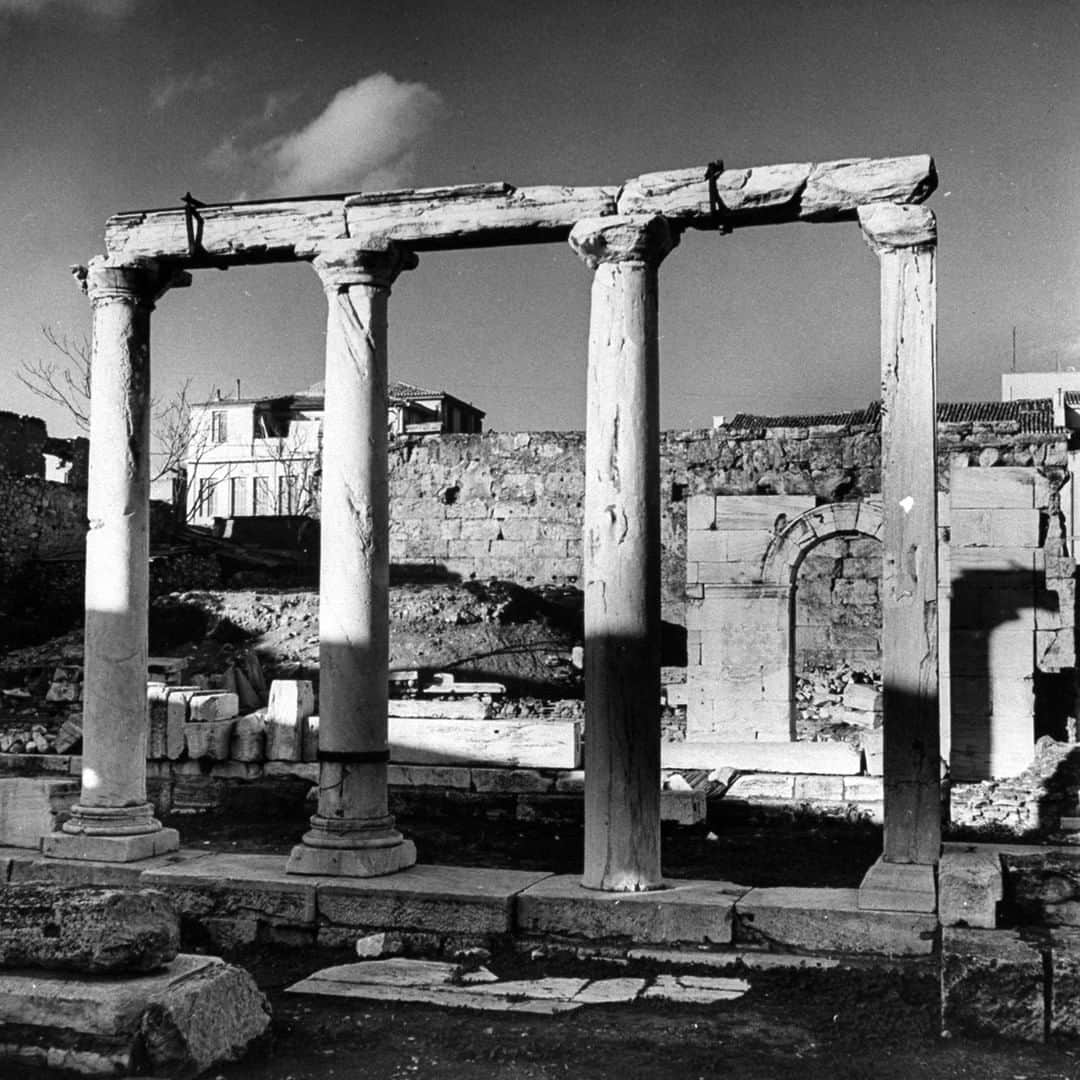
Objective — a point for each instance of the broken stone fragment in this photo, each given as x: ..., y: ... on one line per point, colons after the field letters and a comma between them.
x: 86, y: 928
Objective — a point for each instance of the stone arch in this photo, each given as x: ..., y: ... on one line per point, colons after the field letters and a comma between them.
x: 789, y: 545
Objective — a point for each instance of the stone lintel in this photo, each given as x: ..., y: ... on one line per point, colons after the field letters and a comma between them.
x: 623, y: 239
x: 344, y: 263
x: 887, y: 226
x: 118, y: 849
x: 139, y: 281
x: 890, y: 886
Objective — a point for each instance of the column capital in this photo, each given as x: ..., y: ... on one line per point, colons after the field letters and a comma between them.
x: 888, y: 226
x: 343, y: 263
x: 623, y: 239
x: 142, y: 281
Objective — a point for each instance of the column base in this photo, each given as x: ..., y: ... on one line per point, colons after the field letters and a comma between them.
x: 351, y: 862
x: 118, y: 849
x: 898, y: 887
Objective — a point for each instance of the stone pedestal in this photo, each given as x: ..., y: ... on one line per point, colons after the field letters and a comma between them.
x: 352, y: 833
x: 113, y: 820
x: 905, y: 240
x: 622, y: 554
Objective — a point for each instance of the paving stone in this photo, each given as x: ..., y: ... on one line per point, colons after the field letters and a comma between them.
x: 830, y: 920
x: 696, y: 989
x: 992, y: 984
x: 970, y: 886
x: 452, y: 997
x: 29, y: 867
x: 691, y: 911
x: 227, y: 884
x: 610, y: 991
x: 545, y: 989
x: 440, y: 899
x: 196, y: 1013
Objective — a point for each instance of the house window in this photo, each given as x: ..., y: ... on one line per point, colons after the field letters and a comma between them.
x: 260, y: 496
x: 288, y: 494
x: 204, y: 504
x: 238, y: 496
x: 219, y: 427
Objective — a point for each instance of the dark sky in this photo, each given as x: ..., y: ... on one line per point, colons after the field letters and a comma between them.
x: 122, y: 104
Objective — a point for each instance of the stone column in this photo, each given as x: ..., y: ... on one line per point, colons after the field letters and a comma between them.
x: 905, y: 241
x: 352, y: 832
x: 113, y: 820
x: 622, y: 554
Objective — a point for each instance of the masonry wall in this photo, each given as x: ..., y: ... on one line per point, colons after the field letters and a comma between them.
x: 510, y: 504
x: 38, y: 518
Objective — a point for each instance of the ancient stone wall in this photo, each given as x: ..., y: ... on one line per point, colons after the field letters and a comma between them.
x: 38, y: 519
x: 510, y: 504
x: 22, y: 445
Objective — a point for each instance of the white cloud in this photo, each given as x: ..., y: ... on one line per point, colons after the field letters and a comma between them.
x: 365, y: 138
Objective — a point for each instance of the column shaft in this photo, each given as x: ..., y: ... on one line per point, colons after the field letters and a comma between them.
x: 905, y: 240
x: 113, y: 819
x: 622, y: 556
x: 352, y: 832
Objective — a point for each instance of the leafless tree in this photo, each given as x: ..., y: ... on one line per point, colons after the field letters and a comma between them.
x: 65, y: 381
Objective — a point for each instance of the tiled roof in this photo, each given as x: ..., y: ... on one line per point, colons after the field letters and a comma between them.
x: 1033, y: 415
x: 397, y: 391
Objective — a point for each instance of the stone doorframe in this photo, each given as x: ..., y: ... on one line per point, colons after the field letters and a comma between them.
x: 790, y: 545
x: 744, y: 552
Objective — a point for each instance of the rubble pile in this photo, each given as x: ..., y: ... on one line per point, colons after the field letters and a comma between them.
x: 837, y: 704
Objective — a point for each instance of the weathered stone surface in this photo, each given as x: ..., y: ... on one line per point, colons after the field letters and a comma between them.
x: 970, y: 886
x: 696, y: 989
x: 684, y: 911
x: 86, y: 928
x: 554, y: 744
x: 824, y: 920
x: 991, y: 984
x: 30, y: 808
x: 292, y: 701
x: 196, y: 1013
x: 1044, y: 885
x: 444, y: 899
x: 249, y: 737
x: 1065, y: 982
x: 800, y: 757
x: 898, y: 887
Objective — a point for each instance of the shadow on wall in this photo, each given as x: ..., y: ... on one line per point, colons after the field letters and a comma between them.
x: 1001, y: 702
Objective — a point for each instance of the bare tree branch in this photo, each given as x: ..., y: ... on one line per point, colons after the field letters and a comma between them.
x: 65, y: 383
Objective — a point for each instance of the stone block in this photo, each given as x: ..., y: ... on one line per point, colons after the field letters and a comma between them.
x: 178, y: 700
x: 823, y: 789
x: 249, y: 737
x: 700, y: 512
x: 510, y: 743
x: 863, y: 788
x: 770, y: 513
x: 291, y: 702
x: 708, y: 546
x: 209, y: 739
x: 762, y: 786
x: 698, y: 912
x: 120, y: 849
x: 85, y: 928
x: 826, y: 920
x: 970, y: 887
x: 437, y: 899
x: 436, y: 776
x: 830, y: 758
x: 863, y: 697
x: 30, y: 808
x: 211, y: 706
x: 992, y: 984
x: 998, y: 488
x: 994, y: 561
x: 908, y: 887
x: 570, y: 782
x: 510, y: 781
x: 197, y: 1013
x: 683, y: 807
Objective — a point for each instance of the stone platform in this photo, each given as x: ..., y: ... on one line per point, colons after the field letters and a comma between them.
x: 230, y: 900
